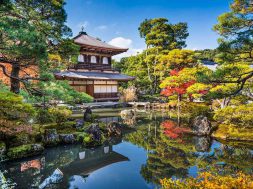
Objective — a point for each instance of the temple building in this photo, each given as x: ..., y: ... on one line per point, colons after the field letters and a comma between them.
x: 93, y: 72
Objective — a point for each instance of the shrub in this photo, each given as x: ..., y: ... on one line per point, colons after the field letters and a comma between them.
x: 61, y: 90
x: 129, y: 94
x: 193, y: 109
x: 44, y: 116
x: 10, y: 129
x: 60, y: 114
x: 241, y: 115
x: 12, y: 107
x: 210, y: 181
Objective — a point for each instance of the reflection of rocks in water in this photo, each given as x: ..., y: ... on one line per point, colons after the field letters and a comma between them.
x: 29, y: 171
x: 226, y: 149
x: 130, y: 122
x: 202, y: 144
x: 128, y: 117
x: 70, y: 160
x: 114, y: 128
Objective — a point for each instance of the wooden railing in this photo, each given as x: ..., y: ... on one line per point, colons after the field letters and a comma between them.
x: 91, y: 66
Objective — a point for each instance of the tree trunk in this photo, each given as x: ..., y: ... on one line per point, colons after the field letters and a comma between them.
x: 179, y: 98
x: 15, y: 83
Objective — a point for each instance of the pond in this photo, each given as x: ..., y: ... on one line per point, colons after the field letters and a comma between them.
x: 154, y: 147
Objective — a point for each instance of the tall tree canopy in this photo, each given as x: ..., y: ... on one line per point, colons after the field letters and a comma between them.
x: 236, y: 42
x: 31, y: 30
x: 158, y: 32
x: 160, y: 37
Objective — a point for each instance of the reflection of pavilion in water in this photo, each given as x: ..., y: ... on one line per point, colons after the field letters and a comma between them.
x: 89, y: 161
x: 70, y: 160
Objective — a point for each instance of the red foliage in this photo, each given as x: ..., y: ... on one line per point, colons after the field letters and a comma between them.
x: 203, y: 92
x: 168, y: 91
x: 174, y: 72
x: 180, y: 90
x: 171, y: 130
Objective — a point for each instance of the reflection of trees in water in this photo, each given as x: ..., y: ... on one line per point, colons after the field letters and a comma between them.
x: 173, y: 153
x: 70, y: 160
x: 164, y: 160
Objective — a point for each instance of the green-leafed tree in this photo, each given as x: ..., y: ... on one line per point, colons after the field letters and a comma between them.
x: 158, y: 32
x: 160, y: 37
x: 33, y: 32
x: 236, y: 44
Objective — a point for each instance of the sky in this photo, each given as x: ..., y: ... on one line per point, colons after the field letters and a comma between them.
x: 116, y: 21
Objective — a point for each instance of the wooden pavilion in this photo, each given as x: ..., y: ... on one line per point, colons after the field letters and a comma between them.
x: 93, y: 72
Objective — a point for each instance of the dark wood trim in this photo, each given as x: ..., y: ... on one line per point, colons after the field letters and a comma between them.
x: 105, y: 95
x: 92, y: 66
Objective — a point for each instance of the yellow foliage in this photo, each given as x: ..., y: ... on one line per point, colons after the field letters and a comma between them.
x: 178, y: 58
x: 54, y: 57
x: 209, y: 181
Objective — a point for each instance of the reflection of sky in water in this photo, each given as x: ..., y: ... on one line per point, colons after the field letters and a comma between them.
x: 115, y: 166
x: 215, y: 144
x: 193, y: 171
x: 121, y: 175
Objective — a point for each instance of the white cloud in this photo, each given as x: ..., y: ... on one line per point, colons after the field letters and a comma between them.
x: 102, y: 27
x: 124, y: 43
x: 83, y: 24
x: 121, y: 42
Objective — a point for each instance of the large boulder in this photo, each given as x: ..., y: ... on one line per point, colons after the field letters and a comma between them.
x: 67, y: 138
x: 87, y: 116
x: 126, y: 114
x: 201, y: 126
x: 25, y: 151
x: 51, y: 137
x: 114, y: 129
x: 79, y: 123
x: 95, y: 131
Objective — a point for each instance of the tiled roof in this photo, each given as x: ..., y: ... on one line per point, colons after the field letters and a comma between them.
x: 84, y: 39
x: 93, y: 76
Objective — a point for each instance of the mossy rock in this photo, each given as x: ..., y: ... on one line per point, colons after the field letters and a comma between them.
x: 51, y: 137
x: 67, y: 124
x: 89, y: 141
x: 20, y: 139
x: 25, y: 151
x: 80, y: 136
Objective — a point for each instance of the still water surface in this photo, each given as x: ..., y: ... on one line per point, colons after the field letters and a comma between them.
x: 154, y: 148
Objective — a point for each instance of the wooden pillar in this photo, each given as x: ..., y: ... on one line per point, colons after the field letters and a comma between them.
x: 110, y: 60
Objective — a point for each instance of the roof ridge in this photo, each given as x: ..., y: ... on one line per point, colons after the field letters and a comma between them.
x: 95, y: 42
